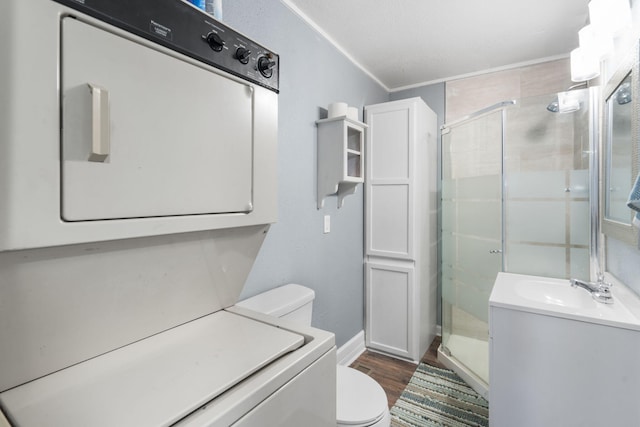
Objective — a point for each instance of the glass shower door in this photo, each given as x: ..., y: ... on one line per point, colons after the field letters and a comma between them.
x: 471, y: 236
x: 547, y: 154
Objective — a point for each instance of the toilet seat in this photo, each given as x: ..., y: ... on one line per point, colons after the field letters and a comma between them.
x: 361, y: 401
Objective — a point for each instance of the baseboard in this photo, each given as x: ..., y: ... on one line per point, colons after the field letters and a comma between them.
x: 350, y: 351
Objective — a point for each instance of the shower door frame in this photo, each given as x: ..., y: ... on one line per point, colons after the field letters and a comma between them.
x: 444, y: 354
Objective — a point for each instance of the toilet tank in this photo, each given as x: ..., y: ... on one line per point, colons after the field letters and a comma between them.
x: 292, y: 302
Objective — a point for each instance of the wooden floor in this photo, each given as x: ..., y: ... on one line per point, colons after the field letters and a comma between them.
x: 393, y: 374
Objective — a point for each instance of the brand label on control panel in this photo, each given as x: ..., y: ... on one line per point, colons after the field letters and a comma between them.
x: 161, y: 30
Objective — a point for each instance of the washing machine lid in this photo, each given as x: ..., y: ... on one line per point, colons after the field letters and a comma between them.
x: 361, y: 401
x: 156, y: 381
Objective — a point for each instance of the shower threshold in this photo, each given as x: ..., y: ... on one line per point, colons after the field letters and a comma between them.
x: 470, y: 377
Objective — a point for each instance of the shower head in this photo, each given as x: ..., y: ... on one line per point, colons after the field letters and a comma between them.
x: 553, y: 106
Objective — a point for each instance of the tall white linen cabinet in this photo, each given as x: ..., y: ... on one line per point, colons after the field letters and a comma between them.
x: 400, y: 228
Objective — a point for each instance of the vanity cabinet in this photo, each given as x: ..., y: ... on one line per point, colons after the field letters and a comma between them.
x: 340, y: 157
x: 559, y: 358
x: 400, y: 228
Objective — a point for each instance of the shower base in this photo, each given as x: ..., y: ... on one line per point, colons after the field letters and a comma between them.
x: 476, y: 353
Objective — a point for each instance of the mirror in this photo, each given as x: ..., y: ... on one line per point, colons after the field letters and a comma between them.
x: 620, y: 150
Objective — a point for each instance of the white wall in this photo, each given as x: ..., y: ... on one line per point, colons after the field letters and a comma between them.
x: 313, y: 74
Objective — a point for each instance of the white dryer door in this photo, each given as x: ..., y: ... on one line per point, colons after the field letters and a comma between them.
x: 137, y: 144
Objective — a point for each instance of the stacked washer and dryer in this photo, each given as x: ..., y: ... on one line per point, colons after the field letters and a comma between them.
x: 137, y: 183
x: 138, y: 136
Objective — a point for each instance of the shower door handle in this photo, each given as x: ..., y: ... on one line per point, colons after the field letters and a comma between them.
x: 495, y: 251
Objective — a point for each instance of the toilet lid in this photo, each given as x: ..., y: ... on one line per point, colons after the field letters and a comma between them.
x: 360, y: 399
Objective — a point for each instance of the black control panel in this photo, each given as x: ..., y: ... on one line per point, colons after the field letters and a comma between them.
x: 179, y: 26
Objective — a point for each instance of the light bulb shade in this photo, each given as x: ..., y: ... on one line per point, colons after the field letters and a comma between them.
x: 611, y: 16
x: 595, y: 42
x: 568, y: 102
x: 583, y: 65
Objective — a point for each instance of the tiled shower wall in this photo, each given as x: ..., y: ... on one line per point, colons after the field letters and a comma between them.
x: 465, y: 96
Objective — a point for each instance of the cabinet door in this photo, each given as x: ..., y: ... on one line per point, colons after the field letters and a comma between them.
x: 390, y: 309
x: 389, y: 214
x: 389, y: 194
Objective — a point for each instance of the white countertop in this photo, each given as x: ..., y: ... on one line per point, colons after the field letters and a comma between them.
x: 556, y: 297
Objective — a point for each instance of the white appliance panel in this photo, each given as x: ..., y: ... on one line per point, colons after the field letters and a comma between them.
x: 174, y: 149
x: 61, y: 306
x: 309, y: 400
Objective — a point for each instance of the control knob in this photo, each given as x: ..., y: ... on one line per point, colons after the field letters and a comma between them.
x: 215, y: 41
x: 265, y: 66
x: 242, y: 55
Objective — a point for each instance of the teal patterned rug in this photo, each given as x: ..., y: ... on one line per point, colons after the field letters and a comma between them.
x: 439, y: 397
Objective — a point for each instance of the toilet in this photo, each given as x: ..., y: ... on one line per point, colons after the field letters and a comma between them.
x: 361, y: 401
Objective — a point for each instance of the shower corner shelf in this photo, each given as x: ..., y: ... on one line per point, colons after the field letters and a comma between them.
x: 340, y: 157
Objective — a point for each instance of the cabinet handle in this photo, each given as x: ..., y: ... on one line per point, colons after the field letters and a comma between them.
x: 100, y: 124
x: 495, y: 251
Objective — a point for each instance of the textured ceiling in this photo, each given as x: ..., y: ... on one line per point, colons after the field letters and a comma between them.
x: 409, y: 42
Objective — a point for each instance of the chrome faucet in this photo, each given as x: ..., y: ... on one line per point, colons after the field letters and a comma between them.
x: 599, y: 290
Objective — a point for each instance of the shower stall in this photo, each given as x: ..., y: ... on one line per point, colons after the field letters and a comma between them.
x: 518, y: 181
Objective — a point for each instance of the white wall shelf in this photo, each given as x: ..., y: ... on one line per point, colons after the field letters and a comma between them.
x: 340, y: 157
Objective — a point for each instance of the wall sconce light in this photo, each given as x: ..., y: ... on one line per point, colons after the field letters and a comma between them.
x: 584, y: 65
x: 596, y: 42
x: 612, y: 17
x: 608, y: 19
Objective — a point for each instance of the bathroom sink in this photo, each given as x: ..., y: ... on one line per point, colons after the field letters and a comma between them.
x: 556, y: 297
x: 558, y: 293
